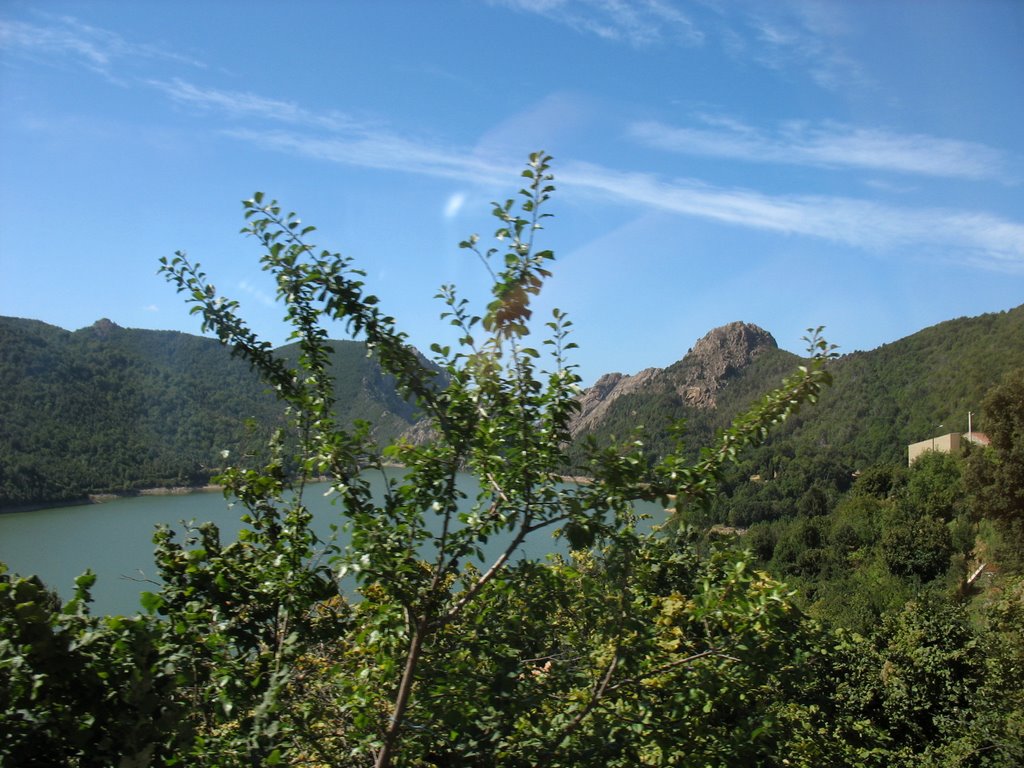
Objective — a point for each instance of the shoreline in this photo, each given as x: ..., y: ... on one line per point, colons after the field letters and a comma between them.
x: 177, y: 490
x: 103, y: 498
x: 174, y: 490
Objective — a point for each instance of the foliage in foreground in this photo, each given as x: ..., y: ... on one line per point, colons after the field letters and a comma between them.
x: 639, y: 649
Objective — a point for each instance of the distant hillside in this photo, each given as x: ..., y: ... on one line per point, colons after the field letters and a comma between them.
x: 881, y: 400
x: 902, y: 392
x: 109, y: 409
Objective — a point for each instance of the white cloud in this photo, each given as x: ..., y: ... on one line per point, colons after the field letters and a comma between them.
x: 791, y: 35
x: 257, y: 293
x: 58, y: 39
x: 339, y: 137
x: 244, y: 104
x: 797, y: 36
x: 25, y: 38
x: 383, y: 151
x: 828, y: 145
x: 636, y: 22
x: 454, y: 205
x: 981, y: 239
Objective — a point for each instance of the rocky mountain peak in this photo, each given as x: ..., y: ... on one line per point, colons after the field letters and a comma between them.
x: 706, y: 368
x: 735, y: 343
x: 716, y: 357
x: 102, y: 328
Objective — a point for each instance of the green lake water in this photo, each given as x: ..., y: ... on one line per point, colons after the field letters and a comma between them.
x: 114, y: 539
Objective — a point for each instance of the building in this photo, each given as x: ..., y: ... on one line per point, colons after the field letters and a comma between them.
x: 949, y: 443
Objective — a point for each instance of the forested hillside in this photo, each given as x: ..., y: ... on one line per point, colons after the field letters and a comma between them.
x: 881, y: 400
x: 109, y: 409
x: 828, y: 503
x: 913, y: 389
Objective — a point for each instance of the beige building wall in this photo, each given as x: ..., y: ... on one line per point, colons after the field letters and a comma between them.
x: 945, y: 443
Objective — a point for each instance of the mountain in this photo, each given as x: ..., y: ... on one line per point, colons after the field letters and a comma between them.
x: 880, y: 401
x: 915, y: 388
x: 693, y: 382
x: 110, y: 409
x: 724, y: 371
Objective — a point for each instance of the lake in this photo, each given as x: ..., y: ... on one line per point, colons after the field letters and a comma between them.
x: 114, y: 539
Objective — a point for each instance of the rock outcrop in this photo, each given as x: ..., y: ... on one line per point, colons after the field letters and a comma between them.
x: 716, y: 358
x: 596, y: 400
x: 696, y: 379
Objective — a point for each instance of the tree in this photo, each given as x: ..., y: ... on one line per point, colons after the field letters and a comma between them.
x: 995, y: 475
x: 81, y: 690
x: 916, y: 546
x: 446, y: 657
x: 943, y: 693
x: 935, y: 486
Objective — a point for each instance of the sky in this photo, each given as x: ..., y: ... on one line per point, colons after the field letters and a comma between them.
x: 856, y: 165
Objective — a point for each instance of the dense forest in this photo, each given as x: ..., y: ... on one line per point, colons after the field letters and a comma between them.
x: 810, y: 600
x: 111, y: 410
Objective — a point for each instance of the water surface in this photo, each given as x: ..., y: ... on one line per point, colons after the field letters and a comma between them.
x: 114, y: 539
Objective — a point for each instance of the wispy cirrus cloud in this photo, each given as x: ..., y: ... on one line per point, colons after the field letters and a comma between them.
x: 257, y: 293
x: 332, y: 136
x: 827, y: 145
x: 247, y: 104
x: 65, y: 39
x: 975, y: 238
x: 636, y: 22
x: 797, y: 35
x: 792, y: 35
x: 380, y: 150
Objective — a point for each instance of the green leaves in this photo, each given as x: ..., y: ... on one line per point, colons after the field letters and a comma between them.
x: 450, y: 655
x: 509, y: 313
x: 79, y: 688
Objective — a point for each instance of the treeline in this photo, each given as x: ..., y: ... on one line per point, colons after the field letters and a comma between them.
x: 108, y: 409
x: 913, y: 389
x: 859, y: 545
x: 924, y: 565
x: 112, y: 410
x: 915, y: 573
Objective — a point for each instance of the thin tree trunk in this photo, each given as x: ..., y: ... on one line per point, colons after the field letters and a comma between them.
x: 402, y: 699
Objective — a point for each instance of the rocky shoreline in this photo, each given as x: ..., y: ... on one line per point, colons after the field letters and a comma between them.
x: 176, y: 490
x: 102, y: 498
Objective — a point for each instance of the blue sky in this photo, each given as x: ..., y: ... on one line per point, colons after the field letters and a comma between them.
x: 791, y: 164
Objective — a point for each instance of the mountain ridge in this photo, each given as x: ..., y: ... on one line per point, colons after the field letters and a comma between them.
x: 695, y: 379
x: 107, y: 408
